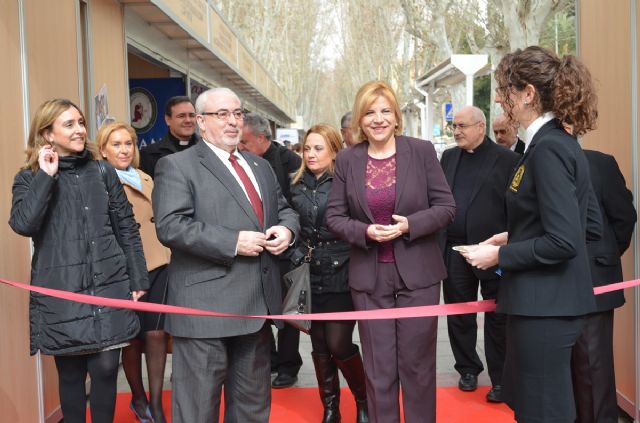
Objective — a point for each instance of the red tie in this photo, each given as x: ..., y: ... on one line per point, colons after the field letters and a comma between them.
x: 254, y: 198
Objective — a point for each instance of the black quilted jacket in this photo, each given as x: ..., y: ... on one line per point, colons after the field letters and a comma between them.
x: 330, y: 257
x: 75, y: 250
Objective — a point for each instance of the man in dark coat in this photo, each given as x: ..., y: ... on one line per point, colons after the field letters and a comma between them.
x: 180, y: 116
x: 594, y: 382
x: 477, y: 171
x: 507, y: 134
x: 256, y: 139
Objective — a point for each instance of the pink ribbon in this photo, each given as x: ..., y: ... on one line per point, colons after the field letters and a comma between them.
x: 388, y: 313
x: 615, y: 286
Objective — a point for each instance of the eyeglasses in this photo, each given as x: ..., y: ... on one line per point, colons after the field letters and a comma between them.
x: 462, y: 126
x: 225, y: 114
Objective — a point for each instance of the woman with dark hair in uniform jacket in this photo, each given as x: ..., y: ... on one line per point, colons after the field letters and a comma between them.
x: 546, y: 285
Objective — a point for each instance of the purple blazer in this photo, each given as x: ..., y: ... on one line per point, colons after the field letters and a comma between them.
x: 422, y: 195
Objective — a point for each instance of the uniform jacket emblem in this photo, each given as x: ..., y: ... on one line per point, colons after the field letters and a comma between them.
x: 515, y: 182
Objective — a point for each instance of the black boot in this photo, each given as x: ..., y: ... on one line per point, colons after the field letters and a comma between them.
x: 353, y: 371
x: 328, y: 385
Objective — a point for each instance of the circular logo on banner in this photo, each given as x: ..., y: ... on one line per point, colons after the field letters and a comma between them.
x: 144, y: 109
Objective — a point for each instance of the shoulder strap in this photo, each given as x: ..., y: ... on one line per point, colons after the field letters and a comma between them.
x: 103, y: 172
x: 113, y: 217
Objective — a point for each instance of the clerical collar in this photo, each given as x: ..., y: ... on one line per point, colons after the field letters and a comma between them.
x: 478, y: 148
x: 181, y: 143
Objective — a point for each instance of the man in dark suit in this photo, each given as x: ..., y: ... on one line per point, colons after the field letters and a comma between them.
x: 506, y: 134
x: 225, y: 219
x: 477, y: 171
x: 594, y: 382
x: 180, y: 117
x: 256, y: 139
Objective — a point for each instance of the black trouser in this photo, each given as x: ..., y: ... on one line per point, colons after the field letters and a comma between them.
x: 462, y: 285
x: 594, y: 379
x: 286, y: 358
x: 537, y: 368
x: 102, y: 367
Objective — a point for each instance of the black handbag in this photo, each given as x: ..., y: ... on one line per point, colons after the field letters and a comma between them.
x: 113, y: 214
x: 298, y: 298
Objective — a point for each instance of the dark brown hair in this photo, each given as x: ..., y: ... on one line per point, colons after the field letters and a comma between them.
x: 177, y: 99
x: 563, y: 85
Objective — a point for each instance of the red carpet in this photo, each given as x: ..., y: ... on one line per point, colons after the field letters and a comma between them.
x: 302, y: 405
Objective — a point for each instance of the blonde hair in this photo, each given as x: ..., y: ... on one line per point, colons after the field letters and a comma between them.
x: 42, y: 122
x: 105, y: 132
x: 366, y: 96
x: 331, y: 137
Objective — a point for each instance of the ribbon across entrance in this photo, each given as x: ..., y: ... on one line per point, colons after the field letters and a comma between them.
x: 387, y: 313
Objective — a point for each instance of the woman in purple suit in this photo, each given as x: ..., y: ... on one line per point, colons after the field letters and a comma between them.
x: 389, y: 199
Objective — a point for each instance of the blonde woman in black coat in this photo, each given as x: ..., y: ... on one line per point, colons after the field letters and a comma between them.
x: 328, y: 256
x: 61, y: 201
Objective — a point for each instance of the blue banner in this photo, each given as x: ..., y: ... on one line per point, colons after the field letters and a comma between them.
x: 148, y: 97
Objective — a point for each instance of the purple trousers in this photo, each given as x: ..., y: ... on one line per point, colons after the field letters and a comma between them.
x: 399, y: 352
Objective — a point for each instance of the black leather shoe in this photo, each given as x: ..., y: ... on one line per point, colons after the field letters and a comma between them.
x: 495, y: 394
x: 284, y: 380
x: 468, y: 382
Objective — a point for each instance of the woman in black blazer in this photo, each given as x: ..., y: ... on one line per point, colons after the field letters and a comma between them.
x: 546, y: 284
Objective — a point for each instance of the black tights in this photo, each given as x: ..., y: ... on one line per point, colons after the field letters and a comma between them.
x: 333, y: 337
x: 155, y: 349
x: 72, y: 374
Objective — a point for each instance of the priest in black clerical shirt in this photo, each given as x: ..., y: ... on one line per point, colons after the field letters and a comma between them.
x: 180, y: 116
x: 477, y: 171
